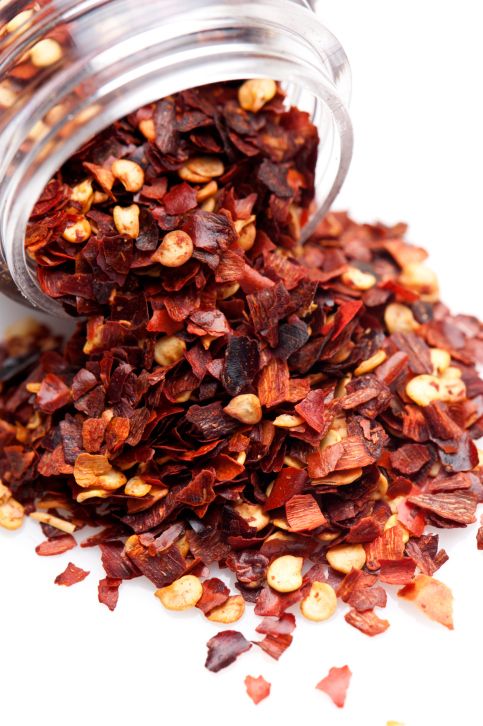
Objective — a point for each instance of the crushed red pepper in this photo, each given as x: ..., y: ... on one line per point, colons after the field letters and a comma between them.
x: 235, y: 397
x: 71, y: 575
x: 335, y: 684
x: 257, y: 688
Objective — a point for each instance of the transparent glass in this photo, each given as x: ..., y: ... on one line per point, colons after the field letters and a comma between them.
x: 105, y: 58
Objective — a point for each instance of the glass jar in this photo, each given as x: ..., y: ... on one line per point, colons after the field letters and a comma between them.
x: 69, y: 68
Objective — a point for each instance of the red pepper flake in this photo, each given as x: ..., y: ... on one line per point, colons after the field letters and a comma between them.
x: 424, y: 551
x: 56, y: 545
x: 367, y: 622
x: 397, y: 572
x: 410, y: 458
x: 278, y: 634
x: 273, y: 383
x: 224, y: 648
x: 346, y: 313
x: 257, y: 688
x: 108, y: 591
x: 458, y: 506
x: 71, y: 575
x: 433, y: 597
x: 350, y: 453
x: 313, y: 410
x: 335, y: 684
x: 411, y: 518
x: 215, y: 593
x: 288, y: 483
x: 389, y: 546
x: 53, y: 394
x: 303, y: 513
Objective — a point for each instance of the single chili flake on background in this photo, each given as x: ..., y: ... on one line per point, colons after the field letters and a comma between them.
x: 224, y: 648
x: 433, y: 597
x: 71, y: 575
x: 367, y: 622
x: 56, y: 545
x: 257, y: 688
x: 335, y: 684
x: 108, y: 591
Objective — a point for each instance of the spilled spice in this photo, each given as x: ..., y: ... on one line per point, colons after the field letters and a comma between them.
x: 294, y: 413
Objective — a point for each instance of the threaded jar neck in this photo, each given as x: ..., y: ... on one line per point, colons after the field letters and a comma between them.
x: 118, y: 55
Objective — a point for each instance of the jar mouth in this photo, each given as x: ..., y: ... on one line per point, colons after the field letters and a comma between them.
x: 105, y: 78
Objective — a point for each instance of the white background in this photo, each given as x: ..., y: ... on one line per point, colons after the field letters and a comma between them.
x: 417, y: 111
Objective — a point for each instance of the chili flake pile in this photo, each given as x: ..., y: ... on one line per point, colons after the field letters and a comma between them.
x: 295, y: 413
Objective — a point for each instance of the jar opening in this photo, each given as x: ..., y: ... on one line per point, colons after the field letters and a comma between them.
x: 108, y: 73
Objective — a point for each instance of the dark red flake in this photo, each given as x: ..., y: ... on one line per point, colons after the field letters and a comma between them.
x: 458, y: 506
x: 108, y: 591
x: 180, y: 199
x: 215, y: 593
x: 410, y: 458
x: 241, y: 364
x: 424, y: 551
x: 53, y: 394
x: 278, y: 634
x: 224, y: 648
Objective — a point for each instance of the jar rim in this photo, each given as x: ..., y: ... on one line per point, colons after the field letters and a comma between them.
x: 252, y: 42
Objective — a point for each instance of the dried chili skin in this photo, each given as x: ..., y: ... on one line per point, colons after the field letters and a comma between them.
x: 259, y: 399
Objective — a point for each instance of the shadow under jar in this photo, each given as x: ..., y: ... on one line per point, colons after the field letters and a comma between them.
x: 68, y: 69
